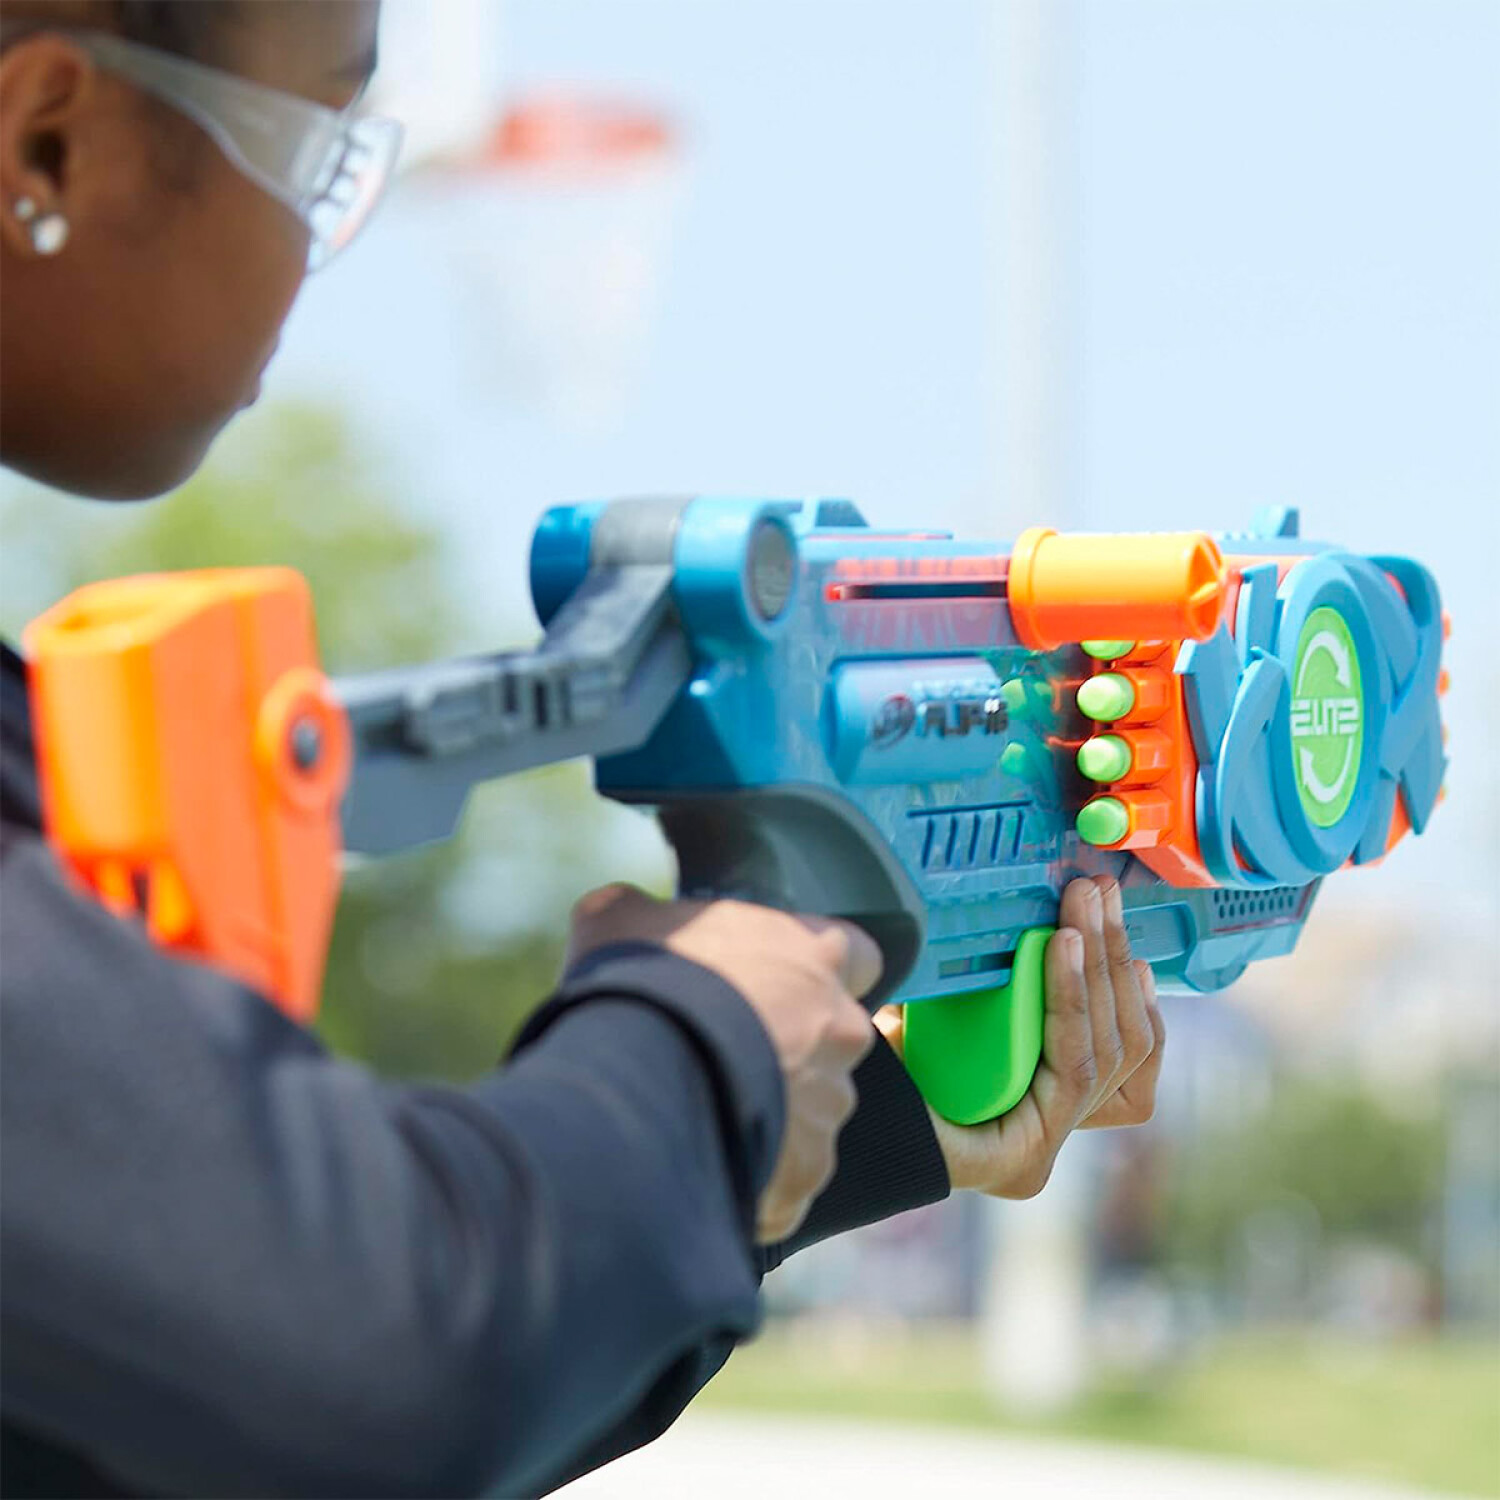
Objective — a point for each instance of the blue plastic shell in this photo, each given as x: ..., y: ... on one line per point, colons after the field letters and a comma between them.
x: 891, y: 735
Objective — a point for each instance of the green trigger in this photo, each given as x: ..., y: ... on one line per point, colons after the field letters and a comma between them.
x: 973, y: 1056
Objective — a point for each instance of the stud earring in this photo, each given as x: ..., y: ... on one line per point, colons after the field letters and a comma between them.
x: 49, y: 234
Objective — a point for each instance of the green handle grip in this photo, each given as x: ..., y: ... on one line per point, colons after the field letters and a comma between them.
x: 973, y: 1056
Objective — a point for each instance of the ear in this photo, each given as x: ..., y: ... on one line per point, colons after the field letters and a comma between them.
x: 45, y: 83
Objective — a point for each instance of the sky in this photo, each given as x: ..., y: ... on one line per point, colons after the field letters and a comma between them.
x: 1256, y: 260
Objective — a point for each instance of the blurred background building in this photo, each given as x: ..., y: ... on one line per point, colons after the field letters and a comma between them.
x: 1104, y: 264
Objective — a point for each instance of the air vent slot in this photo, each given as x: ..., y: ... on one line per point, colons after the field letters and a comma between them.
x: 1250, y: 907
x: 971, y: 838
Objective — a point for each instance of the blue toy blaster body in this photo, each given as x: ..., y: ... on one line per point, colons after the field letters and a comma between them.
x: 925, y: 736
x: 932, y: 737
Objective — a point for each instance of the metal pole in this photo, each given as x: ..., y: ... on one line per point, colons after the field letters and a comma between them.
x: 1032, y: 1297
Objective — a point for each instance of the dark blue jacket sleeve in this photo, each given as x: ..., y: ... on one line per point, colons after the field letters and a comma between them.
x: 889, y: 1162
x: 234, y: 1264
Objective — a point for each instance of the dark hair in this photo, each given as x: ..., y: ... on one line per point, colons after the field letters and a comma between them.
x: 190, y: 28
x: 200, y: 30
x: 195, y: 29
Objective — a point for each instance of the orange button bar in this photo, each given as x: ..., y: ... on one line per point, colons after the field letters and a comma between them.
x: 1150, y: 818
x: 1151, y: 753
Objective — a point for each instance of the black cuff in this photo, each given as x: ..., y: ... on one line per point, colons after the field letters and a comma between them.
x: 716, y: 1017
x: 889, y: 1158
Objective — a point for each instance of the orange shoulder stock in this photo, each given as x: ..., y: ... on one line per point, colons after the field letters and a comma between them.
x: 192, y: 761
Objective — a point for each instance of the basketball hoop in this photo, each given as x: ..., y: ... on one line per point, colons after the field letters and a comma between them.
x: 568, y: 205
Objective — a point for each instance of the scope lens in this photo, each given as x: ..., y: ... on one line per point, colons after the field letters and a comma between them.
x: 771, y: 569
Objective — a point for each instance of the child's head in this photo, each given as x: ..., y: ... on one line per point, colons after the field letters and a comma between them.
x: 146, y: 264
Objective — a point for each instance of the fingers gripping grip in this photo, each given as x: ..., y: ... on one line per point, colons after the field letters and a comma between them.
x: 972, y: 1056
x: 798, y: 850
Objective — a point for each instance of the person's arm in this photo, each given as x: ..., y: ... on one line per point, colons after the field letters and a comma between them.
x: 1102, y: 1053
x: 890, y: 1159
x: 232, y: 1263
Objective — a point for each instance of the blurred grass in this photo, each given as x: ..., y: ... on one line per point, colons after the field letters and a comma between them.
x: 1422, y: 1413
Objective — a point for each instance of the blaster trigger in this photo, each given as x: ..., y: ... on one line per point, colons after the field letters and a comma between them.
x: 973, y: 1056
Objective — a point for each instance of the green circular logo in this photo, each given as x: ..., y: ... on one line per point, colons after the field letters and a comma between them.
x: 1328, y: 717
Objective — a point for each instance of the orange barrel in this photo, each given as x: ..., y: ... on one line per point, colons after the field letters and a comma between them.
x: 1164, y: 586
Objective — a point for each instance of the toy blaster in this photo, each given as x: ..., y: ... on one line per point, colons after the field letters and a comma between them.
x: 925, y: 736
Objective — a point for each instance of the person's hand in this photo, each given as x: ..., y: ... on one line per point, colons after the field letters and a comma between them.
x: 1102, y: 1047
x: 801, y: 976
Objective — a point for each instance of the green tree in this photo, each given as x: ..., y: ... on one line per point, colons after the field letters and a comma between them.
x: 1330, y: 1151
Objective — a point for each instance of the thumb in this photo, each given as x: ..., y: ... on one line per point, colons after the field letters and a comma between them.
x: 862, y: 966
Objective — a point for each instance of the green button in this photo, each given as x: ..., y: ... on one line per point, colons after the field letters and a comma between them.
x: 1106, y: 757
x: 1107, y: 696
x: 1103, y: 821
x: 1108, y: 650
x: 1015, y: 759
x: 1013, y: 694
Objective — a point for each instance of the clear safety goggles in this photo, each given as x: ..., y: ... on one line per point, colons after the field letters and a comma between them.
x: 328, y: 166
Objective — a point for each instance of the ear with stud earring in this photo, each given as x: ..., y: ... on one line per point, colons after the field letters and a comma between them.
x: 49, y: 232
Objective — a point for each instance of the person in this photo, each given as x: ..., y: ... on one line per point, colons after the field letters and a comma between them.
x: 231, y: 1262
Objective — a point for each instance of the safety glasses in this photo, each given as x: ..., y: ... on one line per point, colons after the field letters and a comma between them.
x: 329, y: 167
